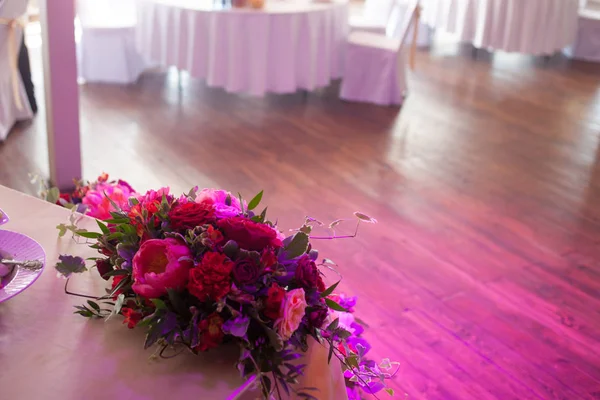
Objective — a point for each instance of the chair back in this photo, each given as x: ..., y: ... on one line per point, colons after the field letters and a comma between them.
x: 403, y: 17
x: 106, y: 13
x: 378, y: 11
x: 12, y: 8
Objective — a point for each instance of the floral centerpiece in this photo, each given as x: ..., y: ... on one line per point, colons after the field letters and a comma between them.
x: 204, y: 269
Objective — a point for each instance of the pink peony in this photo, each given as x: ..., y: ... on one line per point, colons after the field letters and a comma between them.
x: 97, y: 199
x: 161, y: 264
x: 219, y: 198
x: 153, y: 196
x: 294, y: 308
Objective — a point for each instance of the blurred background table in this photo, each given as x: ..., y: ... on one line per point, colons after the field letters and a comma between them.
x: 286, y: 46
x: 536, y: 27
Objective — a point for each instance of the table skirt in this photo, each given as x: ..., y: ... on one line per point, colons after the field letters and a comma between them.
x: 246, y: 51
x: 537, y: 27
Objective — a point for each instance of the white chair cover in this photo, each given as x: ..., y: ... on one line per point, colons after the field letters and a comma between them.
x: 106, y: 50
x: 587, y: 44
x: 376, y: 18
x: 375, y: 64
x: 9, y: 111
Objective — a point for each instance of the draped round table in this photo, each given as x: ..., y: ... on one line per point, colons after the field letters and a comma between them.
x: 282, y: 48
x: 537, y: 27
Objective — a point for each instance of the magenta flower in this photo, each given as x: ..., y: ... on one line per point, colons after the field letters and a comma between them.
x: 99, y: 199
x: 159, y: 265
x: 219, y: 199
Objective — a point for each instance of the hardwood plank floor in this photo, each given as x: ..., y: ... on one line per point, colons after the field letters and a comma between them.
x: 483, y: 275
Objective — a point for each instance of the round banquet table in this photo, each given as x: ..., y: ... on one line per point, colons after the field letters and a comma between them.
x: 286, y: 46
x: 537, y: 27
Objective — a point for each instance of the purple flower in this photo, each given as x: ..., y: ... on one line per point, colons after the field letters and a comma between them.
x: 360, y: 344
x: 237, y: 326
x: 374, y: 387
x: 358, y: 328
x: 246, y: 271
x: 307, y: 273
x: 353, y: 393
x: 68, y: 265
x: 126, y: 253
x: 347, y: 302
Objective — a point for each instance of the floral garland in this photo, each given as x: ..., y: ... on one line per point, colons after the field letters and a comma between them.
x: 204, y: 269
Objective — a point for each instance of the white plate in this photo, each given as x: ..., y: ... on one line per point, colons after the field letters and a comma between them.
x: 19, y: 247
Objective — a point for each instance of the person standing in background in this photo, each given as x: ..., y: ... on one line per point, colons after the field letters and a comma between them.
x: 24, y: 67
x: 25, y: 71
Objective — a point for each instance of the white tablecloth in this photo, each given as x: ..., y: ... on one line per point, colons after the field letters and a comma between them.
x: 284, y: 47
x: 537, y: 27
x: 47, y: 352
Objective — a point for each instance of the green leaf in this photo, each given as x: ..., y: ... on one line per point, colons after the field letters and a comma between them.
x: 352, y: 361
x: 263, y: 215
x: 146, y: 321
x: 118, y: 305
x: 335, y: 306
x: 88, y: 235
x: 103, y: 227
x: 267, y: 385
x: 297, y: 246
x: 255, y: 201
x: 177, y: 302
x: 330, y: 352
x: 116, y: 272
x: 332, y: 326
x: 159, y: 304
x: 53, y: 195
x: 276, y: 340
x: 389, y: 391
x: 62, y: 230
x: 365, y: 218
x: 330, y: 289
x: 117, y: 221
x: 94, y: 305
x: 241, y: 202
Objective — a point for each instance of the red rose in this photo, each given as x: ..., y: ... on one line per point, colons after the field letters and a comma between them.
x: 103, y: 266
x: 248, y: 234
x: 64, y: 196
x: 307, y: 273
x: 132, y: 317
x: 190, y: 215
x: 268, y: 258
x: 211, y: 332
x: 116, y: 280
x: 211, y: 279
x: 275, y: 297
x: 321, y: 285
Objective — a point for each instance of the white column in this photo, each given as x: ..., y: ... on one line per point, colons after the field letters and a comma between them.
x: 62, y: 92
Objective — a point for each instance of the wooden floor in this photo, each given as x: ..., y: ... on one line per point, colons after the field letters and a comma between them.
x: 482, y: 277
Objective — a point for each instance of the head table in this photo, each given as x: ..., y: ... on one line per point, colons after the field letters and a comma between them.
x: 47, y: 352
x: 286, y: 46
